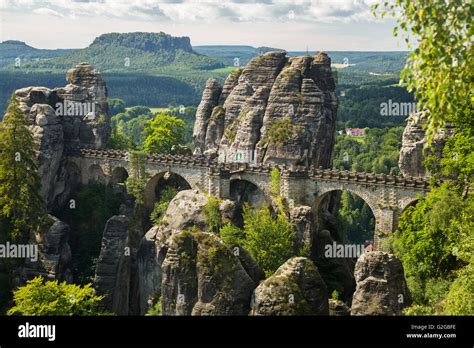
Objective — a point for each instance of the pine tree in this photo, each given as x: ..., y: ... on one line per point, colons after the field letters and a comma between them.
x: 21, y: 204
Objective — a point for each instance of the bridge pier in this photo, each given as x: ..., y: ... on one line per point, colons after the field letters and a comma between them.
x: 386, y: 220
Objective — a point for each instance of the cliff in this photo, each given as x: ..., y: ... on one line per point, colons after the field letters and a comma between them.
x: 276, y: 109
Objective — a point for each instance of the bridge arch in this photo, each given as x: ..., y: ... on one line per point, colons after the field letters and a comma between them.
x: 161, y: 180
x: 247, y: 191
x: 96, y: 173
x: 118, y: 175
x: 332, y: 198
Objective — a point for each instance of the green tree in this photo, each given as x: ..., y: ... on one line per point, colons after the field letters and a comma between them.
x: 136, y: 182
x: 440, y: 67
x: 166, y: 195
x: 21, y: 204
x: 270, y: 241
x: 213, y: 214
x: 119, y: 141
x: 42, y: 298
x: 162, y: 132
x: 275, y: 182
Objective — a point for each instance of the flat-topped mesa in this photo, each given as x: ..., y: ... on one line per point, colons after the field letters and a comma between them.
x: 277, y: 109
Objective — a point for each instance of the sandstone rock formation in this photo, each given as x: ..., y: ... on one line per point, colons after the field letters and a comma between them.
x: 296, y: 288
x: 201, y: 276
x: 336, y: 272
x: 338, y: 308
x: 413, y: 143
x: 381, y: 286
x: 54, y: 254
x: 113, y: 271
x: 74, y: 115
x: 276, y: 109
x: 185, y: 211
x: 302, y: 218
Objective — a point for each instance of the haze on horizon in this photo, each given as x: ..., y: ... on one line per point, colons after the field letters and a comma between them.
x: 293, y: 25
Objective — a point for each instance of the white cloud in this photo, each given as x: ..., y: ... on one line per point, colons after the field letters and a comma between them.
x: 47, y: 12
x: 325, y: 11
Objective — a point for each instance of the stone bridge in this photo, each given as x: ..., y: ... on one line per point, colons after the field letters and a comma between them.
x: 387, y: 195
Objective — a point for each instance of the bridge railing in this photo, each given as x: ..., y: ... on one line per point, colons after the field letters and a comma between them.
x: 315, y: 173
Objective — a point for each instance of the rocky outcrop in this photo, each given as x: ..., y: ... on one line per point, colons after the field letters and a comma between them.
x: 302, y: 218
x: 336, y: 272
x: 338, y: 308
x: 185, y: 211
x: 113, y: 271
x: 296, y: 288
x: 74, y: 115
x: 413, y: 144
x: 54, y: 254
x: 201, y: 276
x: 276, y: 109
x: 381, y: 286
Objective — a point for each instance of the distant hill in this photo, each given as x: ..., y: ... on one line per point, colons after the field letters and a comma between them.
x: 377, y: 62
x: 132, y: 52
x: 228, y: 53
x: 13, y: 49
x: 366, y: 61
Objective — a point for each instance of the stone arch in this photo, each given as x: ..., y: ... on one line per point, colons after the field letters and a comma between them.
x: 96, y: 173
x: 407, y: 202
x: 118, y: 175
x: 335, y: 193
x: 158, y: 180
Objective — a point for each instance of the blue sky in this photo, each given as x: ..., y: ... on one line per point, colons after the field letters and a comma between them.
x: 288, y: 24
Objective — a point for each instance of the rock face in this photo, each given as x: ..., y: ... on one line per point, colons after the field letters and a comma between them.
x: 201, y: 276
x: 381, y: 286
x: 413, y: 140
x: 113, y: 271
x: 338, y: 308
x: 302, y: 217
x: 296, y: 288
x: 74, y: 115
x: 184, y: 212
x: 54, y: 253
x: 277, y: 109
x: 336, y: 272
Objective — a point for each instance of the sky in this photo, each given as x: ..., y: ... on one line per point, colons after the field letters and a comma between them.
x: 329, y: 25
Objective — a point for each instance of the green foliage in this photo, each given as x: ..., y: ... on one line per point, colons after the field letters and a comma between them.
x: 439, y: 69
x: 418, y: 310
x: 39, y: 298
x: 356, y: 218
x: 136, y: 182
x: 155, y: 310
x: 377, y: 152
x: 281, y: 131
x: 116, y: 106
x: 435, y: 241
x: 213, y: 214
x: 335, y: 295
x: 275, y: 182
x: 460, y: 298
x: 119, y: 141
x: 270, y: 241
x: 166, y: 195
x: 21, y: 205
x: 232, y: 235
x: 94, y: 205
x: 162, y: 132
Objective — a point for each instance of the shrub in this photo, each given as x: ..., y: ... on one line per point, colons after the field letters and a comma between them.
x: 213, y: 214
x: 54, y: 298
x: 160, y: 207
